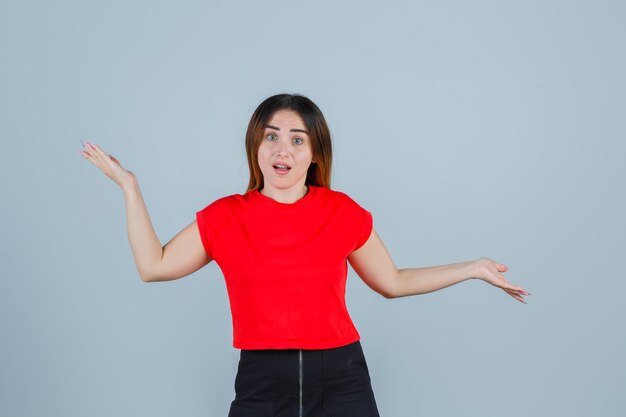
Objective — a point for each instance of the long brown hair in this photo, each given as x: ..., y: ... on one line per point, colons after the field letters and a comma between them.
x: 321, y: 146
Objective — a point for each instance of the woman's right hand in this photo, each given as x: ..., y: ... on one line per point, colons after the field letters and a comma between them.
x: 109, y: 165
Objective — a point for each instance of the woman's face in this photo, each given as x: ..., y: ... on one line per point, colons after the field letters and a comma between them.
x: 285, y: 142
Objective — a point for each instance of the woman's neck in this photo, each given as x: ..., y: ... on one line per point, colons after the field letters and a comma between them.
x: 285, y: 196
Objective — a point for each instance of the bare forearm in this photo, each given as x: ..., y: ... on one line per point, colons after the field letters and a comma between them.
x: 413, y: 281
x: 144, y: 243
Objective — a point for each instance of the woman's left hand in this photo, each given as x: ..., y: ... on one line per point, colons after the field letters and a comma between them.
x: 490, y: 271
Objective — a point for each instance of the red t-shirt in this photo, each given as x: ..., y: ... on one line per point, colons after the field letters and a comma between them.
x: 285, y: 266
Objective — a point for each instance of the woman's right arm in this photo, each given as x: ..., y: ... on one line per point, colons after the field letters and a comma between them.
x: 181, y: 256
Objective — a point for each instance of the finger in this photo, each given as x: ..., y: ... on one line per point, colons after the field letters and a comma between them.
x: 516, y: 288
x: 108, y: 159
x: 507, y: 284
x: 516, y: 296
x: 84, y: 153
x: 103, y: 158
x: 97, y: 149
x: 497, y: 279
x: 88, y: 148
x: 97, y: 153
x: 512, y: 294
x: 91, y: 157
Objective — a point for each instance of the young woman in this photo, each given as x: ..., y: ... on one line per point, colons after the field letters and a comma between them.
x: 283, y: 248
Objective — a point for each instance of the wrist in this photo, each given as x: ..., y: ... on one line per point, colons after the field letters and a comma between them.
x: 471, y: 269
x: 130, y: 184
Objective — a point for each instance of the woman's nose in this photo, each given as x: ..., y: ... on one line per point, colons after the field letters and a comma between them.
x: 282, y: 147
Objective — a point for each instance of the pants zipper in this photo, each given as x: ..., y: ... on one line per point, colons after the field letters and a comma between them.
x: 300, y: 382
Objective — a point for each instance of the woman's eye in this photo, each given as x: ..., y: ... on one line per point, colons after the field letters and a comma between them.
x: 271, y: 136
x: 299, y: 143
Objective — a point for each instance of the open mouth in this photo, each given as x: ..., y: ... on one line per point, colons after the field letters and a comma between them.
x: 281, y: 169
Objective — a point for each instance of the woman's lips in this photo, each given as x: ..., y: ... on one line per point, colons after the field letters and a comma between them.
x: 281, y: 171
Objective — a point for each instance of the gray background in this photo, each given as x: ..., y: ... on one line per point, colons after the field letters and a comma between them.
x: 468, y: 129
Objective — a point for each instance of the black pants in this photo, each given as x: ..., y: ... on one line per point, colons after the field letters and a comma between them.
x: 303, y: 383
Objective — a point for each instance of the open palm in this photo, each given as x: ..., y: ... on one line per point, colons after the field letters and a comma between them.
x: 109, y: 165
x: 490, y: 271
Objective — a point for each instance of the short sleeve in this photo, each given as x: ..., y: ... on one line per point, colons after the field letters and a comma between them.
x: 365, y: 227
x: 203, y: 228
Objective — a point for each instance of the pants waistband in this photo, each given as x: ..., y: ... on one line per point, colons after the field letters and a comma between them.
x: 292, y: 369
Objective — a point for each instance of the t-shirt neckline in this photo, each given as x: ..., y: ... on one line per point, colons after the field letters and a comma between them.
x: 298, y: 203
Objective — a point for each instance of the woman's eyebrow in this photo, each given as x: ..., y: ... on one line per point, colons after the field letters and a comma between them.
x: 291, y: 130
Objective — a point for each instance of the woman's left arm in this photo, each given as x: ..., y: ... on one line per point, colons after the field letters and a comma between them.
x: 373, y: 263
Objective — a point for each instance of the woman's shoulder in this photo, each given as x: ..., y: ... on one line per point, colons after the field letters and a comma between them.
x: 340, y: 196
x: 226, y: 201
